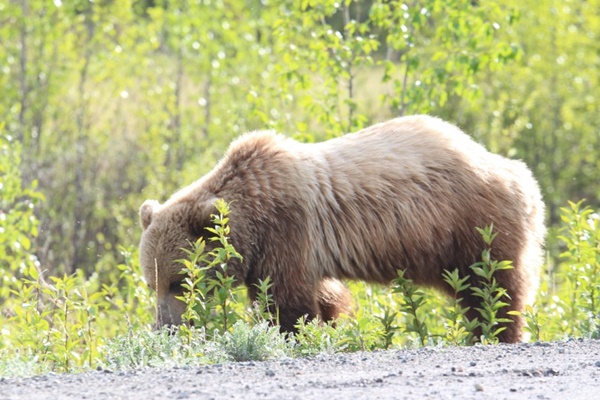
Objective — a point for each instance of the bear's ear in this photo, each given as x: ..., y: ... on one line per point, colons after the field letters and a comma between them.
x: 146, y: 212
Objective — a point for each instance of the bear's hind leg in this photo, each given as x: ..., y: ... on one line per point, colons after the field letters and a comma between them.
x: 331, y: 299
x: 334, y: 299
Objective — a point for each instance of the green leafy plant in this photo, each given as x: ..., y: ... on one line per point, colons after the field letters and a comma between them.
x: 28, y: 327
x: 246, y: 342
x: 492, y: 295
x: 412, y: 300
x: 315, y: 337
x: 459, y: 330
x: 140, y: 348
x: 362, y: 331
x: 387, y: 318
x: 581, y: 236
x: 208, y: 294
x: 533, y: 325
x: 263, y: 305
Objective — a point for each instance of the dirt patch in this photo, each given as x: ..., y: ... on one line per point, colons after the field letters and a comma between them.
x: 562, y: 370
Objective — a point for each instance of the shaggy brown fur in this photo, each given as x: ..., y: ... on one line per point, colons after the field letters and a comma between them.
x: 405, y: 194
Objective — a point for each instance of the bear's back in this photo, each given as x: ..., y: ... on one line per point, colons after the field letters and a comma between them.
x: 414, y: 142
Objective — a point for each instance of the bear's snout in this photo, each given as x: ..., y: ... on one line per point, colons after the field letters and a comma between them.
x: 169, y: 311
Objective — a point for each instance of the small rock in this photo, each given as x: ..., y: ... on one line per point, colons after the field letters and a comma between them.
x: 597, y: 364
x: 472, y: 363
x: 479, y: 387
x: 269, y: 373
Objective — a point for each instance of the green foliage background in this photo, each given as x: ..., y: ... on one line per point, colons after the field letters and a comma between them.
x: 106, y: 103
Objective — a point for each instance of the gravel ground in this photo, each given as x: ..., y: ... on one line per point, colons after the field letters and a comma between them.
x: 562, y: 370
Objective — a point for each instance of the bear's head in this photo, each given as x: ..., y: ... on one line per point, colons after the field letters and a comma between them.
x: 168, y: 229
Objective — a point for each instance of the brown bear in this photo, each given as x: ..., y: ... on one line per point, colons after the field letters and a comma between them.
x: 404, y: 194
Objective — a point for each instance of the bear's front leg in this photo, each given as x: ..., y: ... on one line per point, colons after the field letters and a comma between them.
x: 289, y: 303
x: 289, y: 314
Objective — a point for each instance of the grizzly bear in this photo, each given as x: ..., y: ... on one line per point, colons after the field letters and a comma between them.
x: 404, y: 194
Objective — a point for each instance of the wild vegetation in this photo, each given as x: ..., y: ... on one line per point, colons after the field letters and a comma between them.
x: 107, y: 103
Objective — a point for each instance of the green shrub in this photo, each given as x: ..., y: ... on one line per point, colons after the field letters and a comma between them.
x: 412, y: 300
x: 493, y: 296
x: 143, y: 347
x: 246, y: 342
x: 459, y: 330
x: 209, y: 290
x: 569, y: 300
x: 314, y: 337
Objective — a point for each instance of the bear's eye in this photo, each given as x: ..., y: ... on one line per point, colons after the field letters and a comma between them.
x: 176, y: 287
